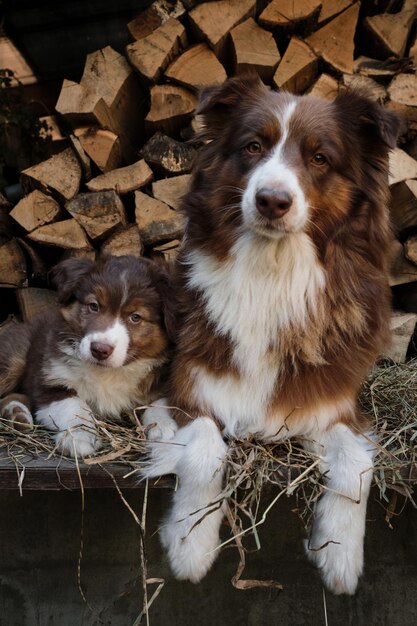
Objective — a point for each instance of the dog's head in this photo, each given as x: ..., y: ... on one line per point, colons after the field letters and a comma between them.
x: 276, y: 163
x: 118, y: 309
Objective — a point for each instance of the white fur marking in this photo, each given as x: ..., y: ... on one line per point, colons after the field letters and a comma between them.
x: 116, y: 336
x: 9, y: 412
x: 164, y: 426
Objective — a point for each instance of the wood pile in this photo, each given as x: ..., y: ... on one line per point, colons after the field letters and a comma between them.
x: 125, y: 130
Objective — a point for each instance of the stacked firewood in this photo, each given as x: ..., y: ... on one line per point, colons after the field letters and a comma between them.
x: 125, y: 131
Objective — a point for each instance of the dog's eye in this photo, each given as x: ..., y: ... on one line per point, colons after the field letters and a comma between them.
x: 254, y: 147
x: 135, y: 318
x: 93, y: 307
x: 319, y: 159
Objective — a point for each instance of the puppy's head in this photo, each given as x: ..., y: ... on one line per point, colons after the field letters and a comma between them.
x: 278, y: 163
x: 118, y: 309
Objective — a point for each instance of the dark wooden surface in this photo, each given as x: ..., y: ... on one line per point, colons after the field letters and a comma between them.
x: 59, y: 473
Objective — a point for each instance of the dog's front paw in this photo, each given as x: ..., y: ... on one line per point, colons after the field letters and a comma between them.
x: 78, y: 442
x: 19, y: 414
x: 160, y: 426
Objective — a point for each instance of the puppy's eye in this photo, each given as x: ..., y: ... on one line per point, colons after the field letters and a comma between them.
x: 93, y: 307
x: 135, y: 318
x: 254, y: 147
x: 319, y: 159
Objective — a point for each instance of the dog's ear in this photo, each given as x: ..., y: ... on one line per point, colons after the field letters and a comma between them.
x: 216, y: 102
x: 162, y: 279
x: 369, y: 116
x: 66, y: 276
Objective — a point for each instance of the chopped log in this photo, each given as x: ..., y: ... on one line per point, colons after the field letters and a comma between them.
x: 297, y: 68
x: 82, y: 157
x: 108, y: 95
x: 34, y: 210
x: 153, y: 17
x: 67, y: 234
x: 402, y: 328
x: 99, y: 213
x: 368, y: 86
x: 171, y: 108
x: 403, y: 205
x: 197, y: 67
x: 212, y: 21
x: 379, y: 70
x: 166, y: 252
x: 334, y: 42
x: 151, y: 55
x: 13, y: 60
x: 167, y: 155
x: 156, y: 221
x: 331, y: 9
x: 254, y: 49
x: 406, y: 114
x: 102, y: 146
x: 390, y: 31
x: 171, y: 190
x: 124, y: 241
x: 410, y: 249
x: 401, y: 270
x: 52, y: 130
x: 403, y: 89
x: 401, y: 166
x: 6, y: 225
x: 79, y: 253
x: 325, y: 87
x: 12, y: 265
x: 32, y: 300
x: 60, y: 175
x: 292, y: 13
x: 124, y: 179
x: 36, y: 268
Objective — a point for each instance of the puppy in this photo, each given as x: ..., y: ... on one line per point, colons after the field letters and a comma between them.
x: 284, y: 303
x: 102, y: 352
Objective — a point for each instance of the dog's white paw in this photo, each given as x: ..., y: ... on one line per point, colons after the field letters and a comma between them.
x: 78, y: 442
x: 160, y: 425
x: 19, y: 414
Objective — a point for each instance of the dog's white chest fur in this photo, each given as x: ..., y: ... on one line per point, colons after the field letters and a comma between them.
x: 265, y: 286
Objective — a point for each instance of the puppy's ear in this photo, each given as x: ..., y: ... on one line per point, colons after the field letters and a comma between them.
x: 215, y: 103
x: 369, y: 116
x: 162, y: 279
x: 66, y: 276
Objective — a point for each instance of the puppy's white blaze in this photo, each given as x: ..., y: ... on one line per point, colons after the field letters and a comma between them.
x: 340, y: 515
x: 274, y: 173
x: 116, y: 336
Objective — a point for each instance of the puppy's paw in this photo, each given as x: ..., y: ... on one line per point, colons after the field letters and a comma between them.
x: 19, y: 414
x: 159, y: 423
x: 340, y: 564
x: 78, y: 442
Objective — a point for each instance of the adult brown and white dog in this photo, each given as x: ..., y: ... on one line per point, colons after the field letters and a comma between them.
x: 102, y: 352
x: 284, y: 305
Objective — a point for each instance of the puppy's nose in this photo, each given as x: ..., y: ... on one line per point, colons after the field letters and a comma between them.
x: 273, y: 203
x: 101, y: 351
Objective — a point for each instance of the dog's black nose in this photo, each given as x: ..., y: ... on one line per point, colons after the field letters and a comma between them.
x: 101, y: 351
x: 273, y: 203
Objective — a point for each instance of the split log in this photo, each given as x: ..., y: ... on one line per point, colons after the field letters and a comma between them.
x: 171, y: 109
x: 108, y: 95
x: 151, y: 55
x: 401, y: 166
x: 52, y: 130
x: 156, y: 220
x: 171, y: 190
x: 6, y: 225
x: 403, y: 89
x: 102, y: 146
x: 212, y: 21
x: 197, y: 67
x: 153, y: 17
x: 36, y: 268
x: 34, y: 210
x: 331, y: 9
x: 99, y: 213
x: 402, y: 328
x: 297, y: 68
x: 124, y: 241
x: 67, y: 234
x: 390, y: 31
x: 403, y: 205
x: 12, y: 265
x: 166, y: 252
x: 401, y: 270
x: 334, y: 42
x: 32, y: 300
x: 293, y: 13
x: 379, y: 70
x: 167, y: 155
x: 410, y: 249
x: 366, y: 85
x: 59, y: 175
x: 13, y: 60
x: 325, y: 87
x: 82, y: 156
x: 124, y: 179
x: 254, y: 49
x: 79, y: 253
